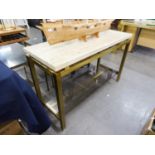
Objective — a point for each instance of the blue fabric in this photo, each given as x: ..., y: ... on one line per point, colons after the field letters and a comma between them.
x: 18, y: 101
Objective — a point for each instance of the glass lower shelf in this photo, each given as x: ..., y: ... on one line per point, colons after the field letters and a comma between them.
x: 52, y: 106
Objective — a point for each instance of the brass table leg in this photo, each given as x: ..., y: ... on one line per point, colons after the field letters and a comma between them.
x: 34, y: 78
x: 122, y: 61
x: 97, y: 74
x: 98, y: 64
x: 59, y: 96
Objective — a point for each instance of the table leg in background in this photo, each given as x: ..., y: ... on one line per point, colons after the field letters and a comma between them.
x: 122, y: 61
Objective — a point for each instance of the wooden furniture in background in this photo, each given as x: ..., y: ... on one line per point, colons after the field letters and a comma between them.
x: 14, y: 35
x: 61, y: 31
x: 143, y: 32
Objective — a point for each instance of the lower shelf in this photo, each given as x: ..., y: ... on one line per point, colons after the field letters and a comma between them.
x: 52, y: 106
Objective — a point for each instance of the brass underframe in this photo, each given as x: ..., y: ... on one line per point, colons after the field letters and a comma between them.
x: 59, y: 74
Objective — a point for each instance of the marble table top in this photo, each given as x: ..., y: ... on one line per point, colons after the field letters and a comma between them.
x: 62, y: 55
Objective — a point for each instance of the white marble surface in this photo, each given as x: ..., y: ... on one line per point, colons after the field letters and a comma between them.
x: 64, y: 54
